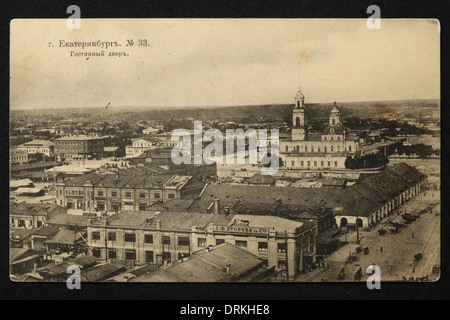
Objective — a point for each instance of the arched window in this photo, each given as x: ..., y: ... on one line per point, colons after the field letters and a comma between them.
x: 339, y: 148
x: 298, y: 148
x: 332, y: 148
x: 312, y: 148
x: 333, y: 121
x: 287, y: 148
x: 298, y: 104
x: 297, y: 122
x: 306, y: 149
x: 325, y: 149
x: 350, y: 148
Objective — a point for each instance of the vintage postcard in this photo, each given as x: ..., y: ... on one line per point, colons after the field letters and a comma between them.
x: 225, y: 150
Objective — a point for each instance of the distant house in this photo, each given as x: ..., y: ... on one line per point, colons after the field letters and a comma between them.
x: 39, y: 237
x: 113, y: 152
x: 23, y: 260
x: 66, y: 241
x: 33, y: 215
x: 91, y: 271
x: 150, y: 130
x: 139, y: 145
x: 38, y: 146
x: 264, y: 180
x: 20, y: 238
x: 18, y: 157
x: 30, y: 192
x: 22, y: 183
x: 69, y: 221
x: 81, y: 146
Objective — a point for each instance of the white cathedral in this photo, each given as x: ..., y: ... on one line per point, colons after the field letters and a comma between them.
x: 323, y: 150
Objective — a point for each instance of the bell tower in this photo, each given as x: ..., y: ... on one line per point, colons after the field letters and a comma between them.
x: 335, y: 116
x: 299, y: 117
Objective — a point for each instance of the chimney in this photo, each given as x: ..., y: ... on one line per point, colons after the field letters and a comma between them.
x: 228, y: 268
x: 158, y: 224
x: 216, y: 206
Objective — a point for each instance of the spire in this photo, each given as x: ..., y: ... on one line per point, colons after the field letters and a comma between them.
x: 299, y: 99
x: 335, y: 109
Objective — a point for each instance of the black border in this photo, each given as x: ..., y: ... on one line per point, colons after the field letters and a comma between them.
x: 225, y: 9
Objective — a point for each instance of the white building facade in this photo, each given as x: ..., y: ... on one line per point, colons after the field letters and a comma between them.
x: 326, y: 150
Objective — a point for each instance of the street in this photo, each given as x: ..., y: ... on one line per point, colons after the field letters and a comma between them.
x: 394, y: 253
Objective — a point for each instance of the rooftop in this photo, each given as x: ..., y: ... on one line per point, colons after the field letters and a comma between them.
x: 361, y: 199
x: 35, y: 209
x: 81, y: 138
x: 140, y: 177
x: 208, y: 266
x: 37, y: 143
x: 169, y: 220
x: 67, y: 237
x: 69, y: 220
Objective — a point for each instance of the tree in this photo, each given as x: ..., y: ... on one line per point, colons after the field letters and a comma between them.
x: 367, y: 161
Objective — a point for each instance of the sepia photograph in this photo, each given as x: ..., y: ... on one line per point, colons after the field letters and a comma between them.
x: 224, y: 150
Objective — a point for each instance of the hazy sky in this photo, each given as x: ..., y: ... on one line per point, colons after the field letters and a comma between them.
x: 202, y: 62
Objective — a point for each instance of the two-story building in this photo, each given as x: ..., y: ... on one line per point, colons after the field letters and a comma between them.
x: 140, y: 145
x: 38, y: 146
x: 124, y: 190
x: 81, y: 146
x: 156, y: 237
x: 33, y: 215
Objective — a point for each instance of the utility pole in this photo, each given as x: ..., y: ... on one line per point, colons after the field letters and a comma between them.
x: 357, y: 230
x: 287, y: 262
x: 106, y: 242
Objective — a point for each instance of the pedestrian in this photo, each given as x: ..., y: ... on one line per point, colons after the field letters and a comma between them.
x: 381, y: 249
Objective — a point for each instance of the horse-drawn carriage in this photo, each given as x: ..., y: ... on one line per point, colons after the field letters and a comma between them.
x: 408, y: 218
x: 395, y: 230
x: 358, y: 274
x: 397, y: 225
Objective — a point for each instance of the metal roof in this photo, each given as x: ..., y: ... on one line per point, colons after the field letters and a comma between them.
x: 64, y: 236
x: 168, y: 219
x: 276, y: 223
x: 68, y: 219
x: 207, y: 266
